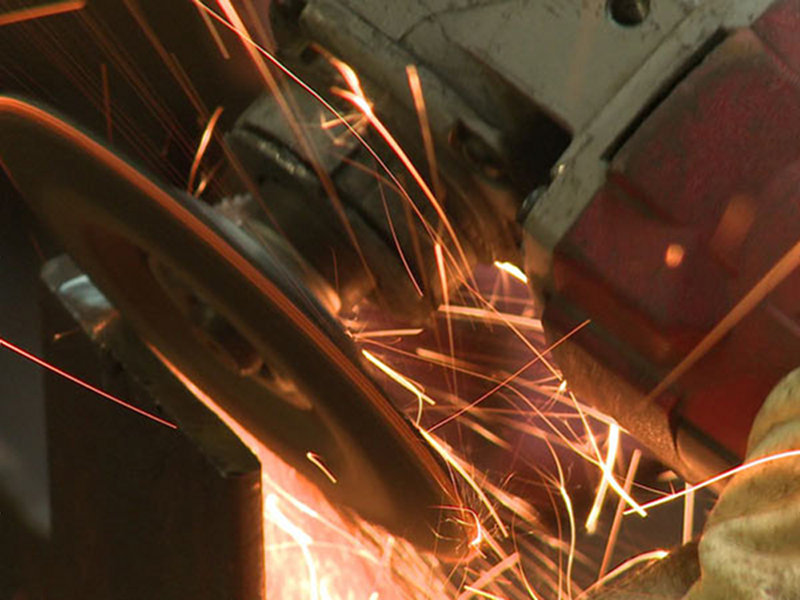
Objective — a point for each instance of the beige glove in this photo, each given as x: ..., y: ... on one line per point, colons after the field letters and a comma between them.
x: 750, y: 549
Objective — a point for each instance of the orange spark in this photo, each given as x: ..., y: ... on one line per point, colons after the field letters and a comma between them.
x: 499, y: 317
x: 688, y: 515
x: 617, y: 523
x: 106, y: 101
x: 771, y: 279
x: 415, y: 85
x: 61, y: 373
x: 402, y: 380
x: 451, y: 459
x: 478, y: 592
x: 368, y: 335
x: 488, y: 576
x: 512, y: 270
x: 571, y: 556
x: 203, y: 146
x: 397, y: 244
x: 446, y: 299
x: 724, y: 475
x: 632, y: 562
x: 316, y: 460
x: 223, y: 50
x: 37, y: 12
x: 673, y: 257
x: 608, y: 474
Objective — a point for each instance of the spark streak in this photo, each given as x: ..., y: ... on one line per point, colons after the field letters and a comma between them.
x: 316, y: 460
x: 688, y: 515
x: 498, y: 317
x: 611, y: 456
x: 446, y: 299
x: 489, y: 575
x: 401, y: 380
x: 415, y: 85
x: 37, y: 12
x: 616, y: 524
x: 630, y: 563
x: 205, y: 139
x: 61, y: 373
x: 724, y: 475
x: 454, y: 462
x: 512, y: 270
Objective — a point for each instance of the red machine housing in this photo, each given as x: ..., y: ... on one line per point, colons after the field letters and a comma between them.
x: 700, y: 202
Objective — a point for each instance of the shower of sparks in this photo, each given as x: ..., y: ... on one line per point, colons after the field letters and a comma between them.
x: 608, y: 474
x: 38, y: 12
x: 451, y: 459
x: 340, y: 560
x: 61, y: 373
x: 257, y: 55
x: 355, y: 96
x: 512, y: 270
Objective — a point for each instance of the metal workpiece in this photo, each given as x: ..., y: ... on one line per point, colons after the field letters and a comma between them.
x: 139, y: 509
x: 102, y: 324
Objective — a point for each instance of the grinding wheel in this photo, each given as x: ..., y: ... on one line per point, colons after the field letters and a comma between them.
x: 235, y: 320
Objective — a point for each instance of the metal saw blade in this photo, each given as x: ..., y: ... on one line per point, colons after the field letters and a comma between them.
x: 229, y: 316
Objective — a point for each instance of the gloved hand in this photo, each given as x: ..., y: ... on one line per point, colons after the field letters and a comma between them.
x: 750, y: 549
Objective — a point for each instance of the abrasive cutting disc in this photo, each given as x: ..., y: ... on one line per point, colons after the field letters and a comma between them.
x: 234, y: 321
